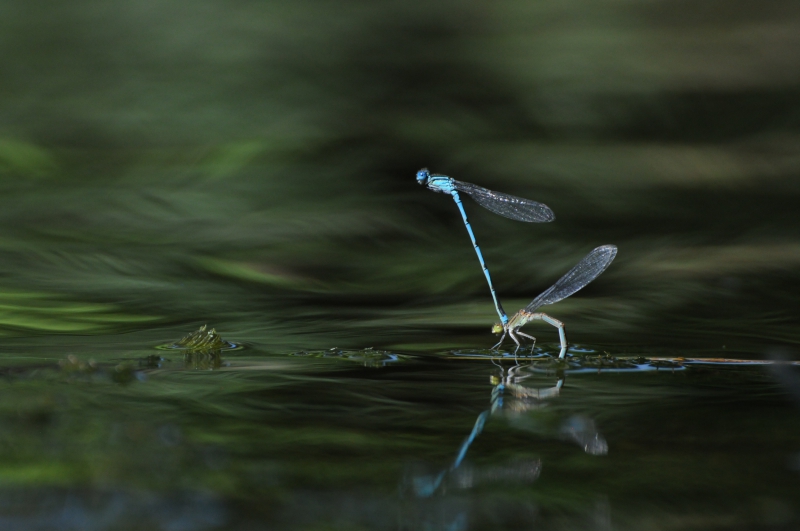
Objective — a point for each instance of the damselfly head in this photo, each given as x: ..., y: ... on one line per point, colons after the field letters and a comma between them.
x: 423, y: 175
x: 497, y: 328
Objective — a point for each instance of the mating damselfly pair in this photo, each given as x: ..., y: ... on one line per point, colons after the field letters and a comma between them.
x: 588, y: 269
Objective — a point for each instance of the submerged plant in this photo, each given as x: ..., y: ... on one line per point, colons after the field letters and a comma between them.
x: 71, y: 366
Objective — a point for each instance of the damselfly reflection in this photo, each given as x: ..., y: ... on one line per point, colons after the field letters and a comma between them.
x: 510, y: 397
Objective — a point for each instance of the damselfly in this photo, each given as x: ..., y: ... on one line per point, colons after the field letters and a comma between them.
x: 579, y: 276
x: 499, y: 203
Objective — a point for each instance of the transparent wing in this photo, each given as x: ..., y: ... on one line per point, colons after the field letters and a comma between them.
x: 507, y: 205
x: 584, y: 272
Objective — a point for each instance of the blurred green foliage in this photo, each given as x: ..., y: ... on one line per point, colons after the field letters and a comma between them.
x: 248, y: 162
x: 250, y: 165
x: 24, y: 160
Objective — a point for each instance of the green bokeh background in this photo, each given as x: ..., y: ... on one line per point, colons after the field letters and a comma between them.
x: 250, y: 165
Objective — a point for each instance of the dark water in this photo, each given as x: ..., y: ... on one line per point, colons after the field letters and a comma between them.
x: 250, y: 166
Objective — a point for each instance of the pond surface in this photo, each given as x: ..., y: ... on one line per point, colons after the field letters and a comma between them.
x: 143, y: 438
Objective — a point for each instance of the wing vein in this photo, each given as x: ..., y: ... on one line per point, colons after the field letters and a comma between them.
x: 507, y: 205
x: 588, y: 269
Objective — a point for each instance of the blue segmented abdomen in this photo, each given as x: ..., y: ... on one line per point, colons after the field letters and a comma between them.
x: 499, y: 307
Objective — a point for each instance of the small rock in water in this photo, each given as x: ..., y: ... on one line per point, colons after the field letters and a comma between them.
x: 203, y: 349
x: 203, y: 340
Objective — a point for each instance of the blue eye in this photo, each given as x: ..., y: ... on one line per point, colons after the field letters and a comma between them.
x: 422, y: 175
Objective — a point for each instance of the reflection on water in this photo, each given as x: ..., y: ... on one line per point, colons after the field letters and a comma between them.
x: 520, y: 399
x: 369, y: 357
x: 583, y: 432
x: 294, y: 442
x: 509, y: 397
x: 441, y: 502
x: 73, y: 511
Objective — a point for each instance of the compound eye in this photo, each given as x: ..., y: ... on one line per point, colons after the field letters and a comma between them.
x: 422, y: 175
